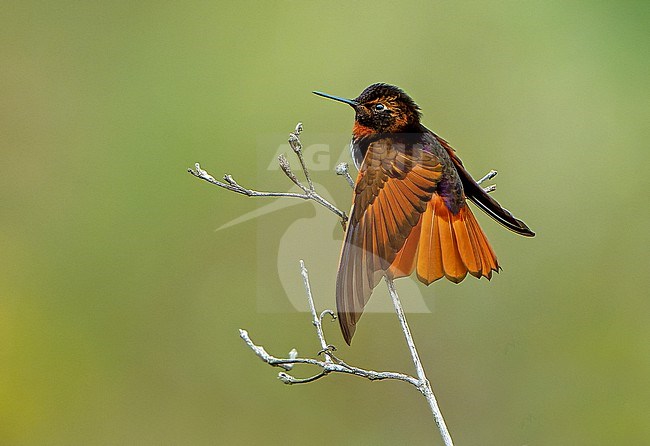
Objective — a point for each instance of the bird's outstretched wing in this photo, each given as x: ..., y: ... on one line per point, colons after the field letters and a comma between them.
x: 395, y: 183
x: 480, y: 198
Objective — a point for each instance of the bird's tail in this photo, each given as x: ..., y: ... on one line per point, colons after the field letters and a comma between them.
x: 444, y: 244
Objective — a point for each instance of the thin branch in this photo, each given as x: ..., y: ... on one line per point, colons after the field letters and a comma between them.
x: 331, y: 364
x: 286, y: 168
x: 233, y: 186
x: 490, y: 188
x: 310, y: 193
x: 296, y: 145
x: 488, y: 176
x: 423, y: 383
x: 342, y: 169
x: 316, y: 320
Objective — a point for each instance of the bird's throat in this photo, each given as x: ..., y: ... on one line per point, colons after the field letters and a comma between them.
x: 360, y: 130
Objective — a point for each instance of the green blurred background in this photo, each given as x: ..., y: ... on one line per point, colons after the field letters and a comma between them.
x: 120, y: 303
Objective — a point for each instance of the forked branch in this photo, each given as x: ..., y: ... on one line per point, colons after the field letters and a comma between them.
x: 330, y: 362
x: 309, y: 193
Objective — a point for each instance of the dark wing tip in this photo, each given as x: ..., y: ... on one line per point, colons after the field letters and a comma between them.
x: 345, y: 298
x: 491, y: 207
x: 524, y: 229
x: 347, y: 329
x: 529, y: 233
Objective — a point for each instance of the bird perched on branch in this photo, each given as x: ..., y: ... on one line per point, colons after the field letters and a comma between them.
x: 410, y: 209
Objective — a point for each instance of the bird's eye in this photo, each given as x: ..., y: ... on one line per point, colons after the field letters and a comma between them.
x: 380, y: 107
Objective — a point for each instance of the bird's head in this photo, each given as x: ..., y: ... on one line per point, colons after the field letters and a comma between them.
x: 382, y: 108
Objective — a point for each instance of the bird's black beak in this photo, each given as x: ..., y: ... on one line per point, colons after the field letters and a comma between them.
x: 336, y: 98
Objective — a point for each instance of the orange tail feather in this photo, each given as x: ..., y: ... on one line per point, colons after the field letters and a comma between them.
x: 404, y: 263
x: 450, y: 245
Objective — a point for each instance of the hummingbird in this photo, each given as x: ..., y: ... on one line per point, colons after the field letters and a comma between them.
x: 410, y: 205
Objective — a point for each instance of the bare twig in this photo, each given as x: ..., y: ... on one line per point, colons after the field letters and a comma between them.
x: 296, y: 145
x: 490, y: 188
x: 328, y: 367
x: 286, y: 168
x: 423, y: 383
x: 488, y: 176
x: 316, y: 320
x: 342, y: 169
x: 230, y: 184
x: 331, y: 364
